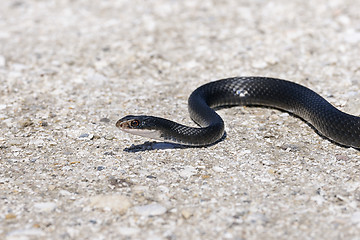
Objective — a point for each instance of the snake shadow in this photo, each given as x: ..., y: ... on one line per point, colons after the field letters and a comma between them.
x: 153, y: 145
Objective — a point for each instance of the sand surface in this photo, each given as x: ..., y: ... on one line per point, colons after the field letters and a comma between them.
x: 69, y: 69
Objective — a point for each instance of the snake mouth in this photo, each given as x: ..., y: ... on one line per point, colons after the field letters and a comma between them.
x: 123, y: 124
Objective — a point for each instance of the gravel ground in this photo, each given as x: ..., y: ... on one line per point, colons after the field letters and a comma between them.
x: 70, y: 68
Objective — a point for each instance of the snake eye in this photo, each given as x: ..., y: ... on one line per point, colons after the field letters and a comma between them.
x: 134, y: 123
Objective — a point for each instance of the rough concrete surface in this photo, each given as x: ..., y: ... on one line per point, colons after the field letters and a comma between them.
x: 70, y: 68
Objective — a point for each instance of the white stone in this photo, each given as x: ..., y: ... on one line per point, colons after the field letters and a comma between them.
x: 152, y: 209
x: 4, y: 35
x: 45, y: 206
x: 259, y: 64
x: 186, y: 213
x: 355, y: 218
x: 127, y: 231
x: 187, y: 172
x: 86, y: 136
x: 37, y: 142
x: 344, y: 20
x: 22, y: 234
x: 18, y: 67
x: 64, y: 193
x: 115, y: 202
x: 191, y: 65
x: 352, y: 36
x: 2, y: 61
x: 218, y: 169
x: 164, y: 189
x: 256, y: 218
x: 97, y: 78
x: 272, y: 60
x: 318, y: 199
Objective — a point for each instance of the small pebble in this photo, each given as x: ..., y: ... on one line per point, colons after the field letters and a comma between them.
x: 100, y: 168
x: 25, y: 122
x: 44, y: 124
x: 267, y: 162
x: 119, y: 182
x: 127, y: 231
x: 341, y: 157
x: 290, y: 147
x: 86, y: 136
x: 186, y: 213
x: 357, y: 194
x: 2, y: 61
x: 113, y: 202
x: 191, y: 64
x: 256, y: 218
x: 10, y: 216
x: 355, y: 218
x: 109, y: 137
x: 64, y: 193
x: 37, y: 142
x: 22, y: 234
x: 187, y: 172
x: 218, y: 169
x: 152, y: 209
x: 105, y: 120
x: 110, y: 153
x: 272, y: 60
x: 352, y: 36
x: 14, y: 142
x: 164, y: 189
x: 318, y: 199
x: 18, y: 67
x: 45, y: 206
x: 259, y: 64
x: 96, y: 78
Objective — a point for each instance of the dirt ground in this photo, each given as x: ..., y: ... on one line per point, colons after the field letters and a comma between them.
x: 69, y: 69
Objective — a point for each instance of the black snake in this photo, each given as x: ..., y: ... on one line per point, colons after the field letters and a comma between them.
x: 330, y: 122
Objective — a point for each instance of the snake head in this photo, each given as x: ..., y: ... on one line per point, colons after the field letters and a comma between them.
x: 140, y: 122
x: 145, y: 126
x: 129, y: 122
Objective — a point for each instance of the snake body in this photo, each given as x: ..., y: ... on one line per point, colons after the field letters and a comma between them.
x: 301, y: 101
